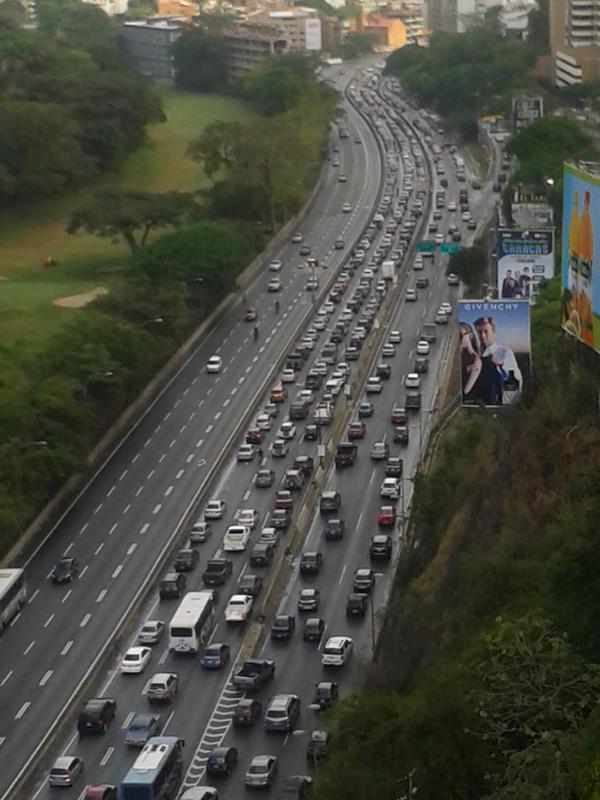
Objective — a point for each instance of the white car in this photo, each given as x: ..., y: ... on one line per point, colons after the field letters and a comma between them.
x: 346, y: 208
x: 374, y: 385
x: 245, y: 452
x: 200, y: 531
x: 466, y: 216
x: 334, y: 386
x: 453, y: 280
x: 337, y: 651
x: 288, y: 376
x: 411, y: 295
x: 274, y: 285
x: 236, y: 538
x: 312, y: 284
x: 297, y: 238
x: 388, y: 350
x: 247, y: 517
x: 287, y: 431
x: 214, y: 364
x: 274, y: 265
x: 395, y: 337
x: 135, y: 659
x: 412, y: 381
x: 418, y: 264
x: 215, y: 509
x: 439, y: 238
x: 320, y: 323
x: 342, y: 178
x: 263, y: 422
x: 422, y: 347
x: 451, y: 206
x: 238, y: 608
x: 279, y: 448
x: 390, y: 488
x: 343, y: 369
x: 446, y: 308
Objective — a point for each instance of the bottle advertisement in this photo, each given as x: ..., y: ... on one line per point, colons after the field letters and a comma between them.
x: 495, y: 351
x: 580, y: 302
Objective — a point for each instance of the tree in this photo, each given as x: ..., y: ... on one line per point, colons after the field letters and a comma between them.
x: 470, y: 264
x: 131, y: 214
x: 199, y: 59
x: 356, y: 45
x: 279, y: 84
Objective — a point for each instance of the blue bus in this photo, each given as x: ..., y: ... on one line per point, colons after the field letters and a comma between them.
x: 157, y: 772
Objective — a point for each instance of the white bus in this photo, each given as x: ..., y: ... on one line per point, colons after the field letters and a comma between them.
x: 13, y: 593
x: 192, y: 622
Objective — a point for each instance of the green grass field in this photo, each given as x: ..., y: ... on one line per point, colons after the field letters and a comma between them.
x: 29, y: 234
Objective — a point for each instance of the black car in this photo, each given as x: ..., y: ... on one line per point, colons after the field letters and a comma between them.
x: 356, y: 604
x: 95, y: 715
x: 215, y: 656
x: 280, y: 518
x: 401, y: 434
x: 261, y: 554
x: 305, y: 250
x: 283, y: 626
x: 65, y: 569
x: 186, y: 559
x: 141, y: 728
x: 221, y: 761
x: 380, y: 547
x: 247, y: 712
x: 304, y: 463
x: 365, y: 409
x: 172, y: 586
x: 250, y: 584
x: 421, y: 365
x: 314, y: 627
x: 311, y: 433
x: 394, y: 467
x: 318, y: 745
x: 296, y: 787
x: 218, y: 569
x: 326, y: 693
x: 335, y: 529
x: 383, y: 371
x: 311, y: 563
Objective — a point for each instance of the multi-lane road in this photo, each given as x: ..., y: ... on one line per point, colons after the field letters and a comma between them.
x: 125, y: 522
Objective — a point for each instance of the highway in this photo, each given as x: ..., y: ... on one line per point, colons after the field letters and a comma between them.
x: 118, y: 533
x: 122, y: 524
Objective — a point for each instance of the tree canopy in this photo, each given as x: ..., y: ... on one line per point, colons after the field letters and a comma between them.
x: 199, y: 60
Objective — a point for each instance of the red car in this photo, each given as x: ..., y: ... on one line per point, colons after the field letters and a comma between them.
x: 386, y: 516
x: 399, y: 416
x: 278, y: 394
x: 356, y: 430
x: 254, y: 436
x: 284, y: 499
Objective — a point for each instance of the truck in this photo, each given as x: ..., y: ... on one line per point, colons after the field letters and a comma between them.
x: 253, y: 673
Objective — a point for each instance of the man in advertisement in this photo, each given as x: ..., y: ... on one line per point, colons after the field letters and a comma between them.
x: 500, y: 379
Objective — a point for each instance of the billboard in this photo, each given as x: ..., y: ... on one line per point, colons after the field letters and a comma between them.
x: 494, y: 350
x: 526, y: 110
x: 312, y: 33
x: 580, y: 262
x: 524, y: 258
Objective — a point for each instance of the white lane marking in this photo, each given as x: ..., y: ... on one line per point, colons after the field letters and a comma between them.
x: 168, y: 490
x: 162, y: 458
x: 135, y: 458
x: 83, y: 571
x: 106, y: 756
x: 127, y: 507
x: 372, y: 477
x: 157, y: 508
x: 98, y: 508
x: 139, y: 491
x: 150, y: 474
x: 49, y: 620
x: 200, y: 442
x: 163, y: 657
x: 2, y: 740
x: 190, y: 458
x: 127, y: 720
x: 117, y: 572
x: 183, y: 427
x: 194, y: 380
x: 33, y: 596
x: 242, y: 379
x: 85, y: 620
x: 209, y: 428
x: 158, y: 427
x: 22, y: 710
x: 176, y: 403
x: 123, y: 474
x: 66, y: 596
x: 166, y: 725
x: 166, y: 416
x: 179, y: 474
x: 110, y: 491
x: 67, y: 647
x: 192, y: 415
x: 102, y: 595
x: 147, y: 442
x: 144, y: 527
x: 6, y: 677
x: 113, y: 528
x: 173, y: 443
x: 360, y: 519
x: 186, y: 390
x: 83, y: 529
x: 131, y: 548
x: 99, y: 548
x: 226, y: 402
x: 218, y: 415
x: 233, y: 391
x: 246, y: 494
x: 14, y: 622
x: 46, y: 677
x: 342, y: 575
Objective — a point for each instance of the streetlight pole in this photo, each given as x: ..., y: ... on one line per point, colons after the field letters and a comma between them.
x: 154, y: 321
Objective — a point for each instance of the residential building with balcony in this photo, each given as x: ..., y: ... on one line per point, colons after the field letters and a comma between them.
x: 575, y: 41
x: 248, y: 44
x: 150, y: 42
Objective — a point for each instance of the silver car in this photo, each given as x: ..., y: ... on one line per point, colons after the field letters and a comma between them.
x: 261, y: 771
x: 65, y: 771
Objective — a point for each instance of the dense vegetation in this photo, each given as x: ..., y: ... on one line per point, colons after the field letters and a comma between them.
x: 486, y: 683
x: 70, y: 104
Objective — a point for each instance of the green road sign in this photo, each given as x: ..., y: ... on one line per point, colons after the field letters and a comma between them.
x: 425, y: 247
x: 449, y: 247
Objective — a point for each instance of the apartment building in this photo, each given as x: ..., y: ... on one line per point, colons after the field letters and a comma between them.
x: 250, y: 43
x: 149, y: 42
x: 575, y: 41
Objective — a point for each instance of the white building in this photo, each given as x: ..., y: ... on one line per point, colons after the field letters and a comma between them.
x: 110, y: 7
x: 575, y: 40
x: 300, y: 26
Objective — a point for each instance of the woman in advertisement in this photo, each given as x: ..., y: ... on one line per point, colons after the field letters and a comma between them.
x: 470, y: 360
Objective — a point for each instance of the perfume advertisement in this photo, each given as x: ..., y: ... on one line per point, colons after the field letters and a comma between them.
x: 580, y: 301
x: 524, y: 259
x: 494, y: 350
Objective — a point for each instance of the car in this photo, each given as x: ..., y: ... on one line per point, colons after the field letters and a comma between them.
x: 245, y: 452
x: 275, y: 265
x: 296, y: 787
x: 318, y: 745
x: 287, y: 376
x: 400, y: 434
x: 346, y: 208
x: 356, y: 430
x: 247, y: 711
x: 339, y: 244
x: 421, y: 365
x: 297, y: 237
x: 308, y: 600
x: 101, y: 791
x: 342, y: 178
x: 284, y: 499
x: 278, y: 394
x: 270, y: 536
x: 215, y: 656
x: 330, y: 502
x: 294, y: 480
x: 264, y: 478
x: 215, y: 509
x: 254, y: 436
x: 282, y: 713
x: 423, y: 347
x: 151, y: 632
x: 261, y: 772
x: 465, y: 216
x: 383, y: 371
x: 305, y: 250
x: 411, y: 295
x: 395, y: 337
x: 412, y: 381
x: 238, y: 608
x: 373, y: 385
x: 325, y: 694
x: 173, y: 585
x: 250, y: 315
x: 497, y: 187
x: 280, y: 518
x: 335, y: 162
x: 200, y: 793
x: 311, y: 563
x: 334, y: 529
x: 135, y: 659
x: 422, y: 283
x: 287, y: 431
x: 65, y: 569
x: 451, y: 206
x: 274, y: 285
x: 356, y: 604
x: 386, y: 516
x: 314, y: 628
x: 390, y: 487
x: 186, y: 559
x: 263, y: 422
x: 141, y: 728
x: 441, y: 318
x: 200, y: 531
x: 380, y: 547
x: 221, y: 761
x: 394, y: 467
x: 214, y: 364
x: 364, y: 580
x: 283, y: 626
x: 249, y: 583
x: 311, y: 432
x: 472, y: 225
x: 95, y: 715
x: 446, y: 307
x: 271, y: 409
x: 365, y: 409
x: 279, y: 448
x: 65, y: 770
x: 304, y: 464
x: 388, y: 350
x: 162, y: 687
x: 337, y: 651
x: 236, y: 538
x: 379, y: 451
x: 247, y: 517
